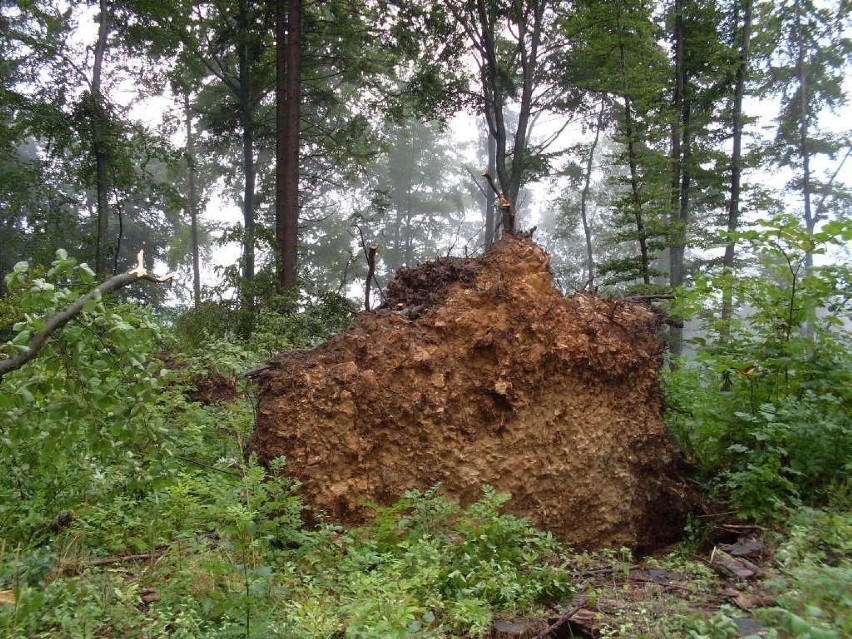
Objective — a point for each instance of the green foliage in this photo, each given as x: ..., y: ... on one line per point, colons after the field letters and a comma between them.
x: 424, y: 568
x: 816, y: 570
x: 85, y: 406
x: 316, y: 317
x: 719, y: 626
x: 763, y: 406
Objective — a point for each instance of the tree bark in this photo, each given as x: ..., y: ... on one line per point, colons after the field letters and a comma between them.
x: 736, y: 160
x: 529, y: 71
x: 635, y: 189
x: 99, y: 143
x: 681, y: 172
x: 490, y: 225
x: 584, y: 197
x: 192, y: 200
x: 249, y: 170
x: 288, y: 102
x: 675, y: 259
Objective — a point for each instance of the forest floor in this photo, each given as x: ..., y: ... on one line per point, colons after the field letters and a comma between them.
x: 661, y: 595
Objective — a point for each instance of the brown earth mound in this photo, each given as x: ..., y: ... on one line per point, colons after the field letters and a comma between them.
x: 481, y: 372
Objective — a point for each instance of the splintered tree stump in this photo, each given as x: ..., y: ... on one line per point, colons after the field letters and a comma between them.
x: 479, y: 372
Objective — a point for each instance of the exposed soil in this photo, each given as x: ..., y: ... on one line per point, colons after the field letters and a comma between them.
x: 480, y: 372
x: 208, y: 387
x: 213, y: 388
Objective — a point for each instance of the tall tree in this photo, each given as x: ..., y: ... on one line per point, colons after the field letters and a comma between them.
x: 517, y: 50
x: 808, y: 70
x: 701, y: 80
x: 742, y: 43
x: 288, y: 101
x: 615, y: 57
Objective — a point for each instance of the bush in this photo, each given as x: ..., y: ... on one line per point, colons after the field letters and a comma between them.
x: 762, y: 407
x: 81, y: 419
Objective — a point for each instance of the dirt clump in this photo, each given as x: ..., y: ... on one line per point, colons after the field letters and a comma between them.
x: 481, y: 372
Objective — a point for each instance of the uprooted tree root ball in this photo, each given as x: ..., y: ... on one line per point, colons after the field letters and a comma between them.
x: 480, y: 372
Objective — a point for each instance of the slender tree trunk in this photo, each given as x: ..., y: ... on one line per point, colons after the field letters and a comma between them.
x: 493, y: 93
x: 4, y: 235
x: 736, y: 160
x: 683, y: 170
x: 804, y: 143
x: 490, y: 225
x: 100, y: 144
x: 249, y: 170
x: 529, y: 69
x: 635, y: 188
x: 288, y: 90
x: 636, y: 194
x: 584, y: 198
x: 192, y: 199
x: 676, y: 137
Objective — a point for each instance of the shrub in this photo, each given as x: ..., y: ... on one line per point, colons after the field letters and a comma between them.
x: 762, y: 406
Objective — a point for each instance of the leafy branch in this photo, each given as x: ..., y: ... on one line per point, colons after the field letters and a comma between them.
x: 54, y: 323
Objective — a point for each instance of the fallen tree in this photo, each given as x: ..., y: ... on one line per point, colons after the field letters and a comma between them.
x: 480, y: 372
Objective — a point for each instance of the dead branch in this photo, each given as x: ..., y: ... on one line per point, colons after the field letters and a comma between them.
x: 553, y: 630
x: 371, y: 273
x: 81, y: 564
x: 648, y: 298
x: 59, y: 320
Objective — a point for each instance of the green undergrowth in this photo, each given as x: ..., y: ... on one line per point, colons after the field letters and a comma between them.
x: 127, y: 510
x: 222, y: 552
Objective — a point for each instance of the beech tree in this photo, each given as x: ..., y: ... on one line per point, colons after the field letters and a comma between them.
x: 517, y: 50
x: 742, y: 24
x: 808, y: 72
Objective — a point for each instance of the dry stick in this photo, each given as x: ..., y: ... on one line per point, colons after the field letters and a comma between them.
x: 59, y: 320
x: 107, y: 561
x: 371, y: 273
x: 550, y: 633
x: 648, y: 298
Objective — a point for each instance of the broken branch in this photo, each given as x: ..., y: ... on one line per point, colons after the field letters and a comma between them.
x: 508, y: 219
x: 371, y: 273
x: 59, y: 320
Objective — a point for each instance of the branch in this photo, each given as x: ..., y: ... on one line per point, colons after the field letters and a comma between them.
x: 59, y: 320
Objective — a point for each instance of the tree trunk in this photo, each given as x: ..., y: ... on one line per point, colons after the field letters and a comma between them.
x: 288, y: 100
x: 681, y: 174
x: 492, y: 93
x: 249, y: 172
x: 736, y: 161
x: 804, y: 144
x: 584, y: 197
x: 529, y: 70
x: 100, y: 144
x: 635, y: 189
x: 192, y: 200
x: 490, y: 225
x: 676, y: 135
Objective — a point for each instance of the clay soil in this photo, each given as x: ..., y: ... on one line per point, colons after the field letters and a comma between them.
x: 481, y: 372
